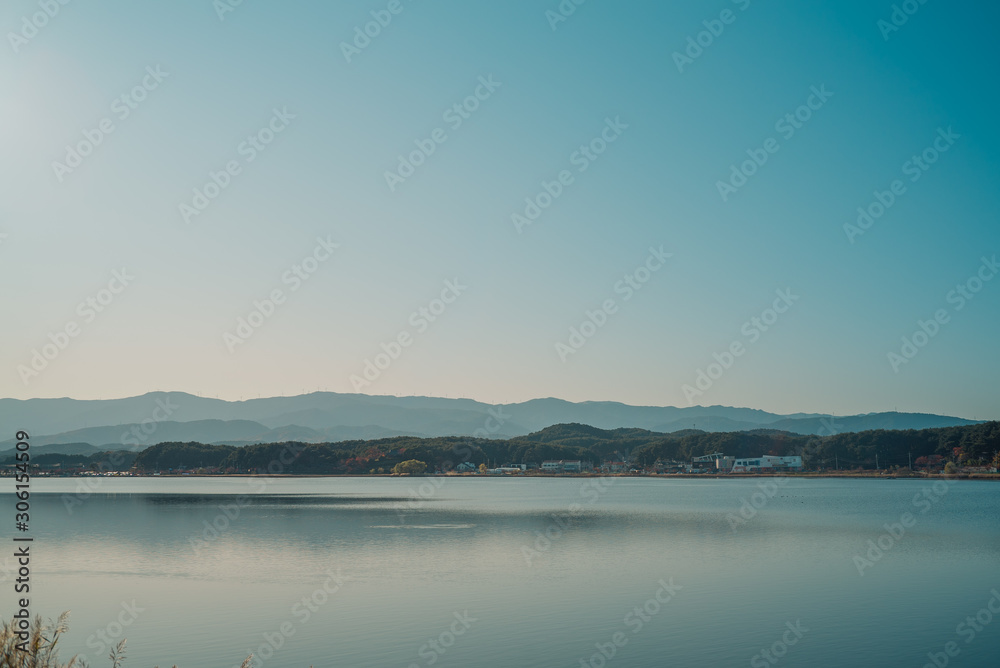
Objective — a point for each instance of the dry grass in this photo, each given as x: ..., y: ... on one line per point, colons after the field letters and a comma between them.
x: 41, y: 644
x: 43, y: 637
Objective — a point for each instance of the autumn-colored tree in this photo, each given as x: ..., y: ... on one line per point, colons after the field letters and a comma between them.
x: 409, y: 467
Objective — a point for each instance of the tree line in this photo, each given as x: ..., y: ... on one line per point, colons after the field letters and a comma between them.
x: 969, y: 445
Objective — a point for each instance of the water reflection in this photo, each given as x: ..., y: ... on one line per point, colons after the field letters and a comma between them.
x: 544, y: 581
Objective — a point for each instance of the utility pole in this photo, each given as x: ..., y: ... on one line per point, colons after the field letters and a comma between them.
x: 909, y: 460
x: 876, y: 460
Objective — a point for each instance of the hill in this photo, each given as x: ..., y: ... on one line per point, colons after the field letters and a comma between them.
x: 136, y: 422
x: 974, y: 445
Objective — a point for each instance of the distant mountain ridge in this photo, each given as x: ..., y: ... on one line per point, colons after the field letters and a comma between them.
x: 214, y: 432
x: 136, y: 422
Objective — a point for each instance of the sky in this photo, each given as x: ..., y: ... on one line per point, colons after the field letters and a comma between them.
x: 653, y: 203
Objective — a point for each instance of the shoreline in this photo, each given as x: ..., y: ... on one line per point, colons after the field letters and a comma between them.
x: 671, y: 476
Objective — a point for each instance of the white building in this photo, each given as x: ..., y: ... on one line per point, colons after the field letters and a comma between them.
x: 767, y: 464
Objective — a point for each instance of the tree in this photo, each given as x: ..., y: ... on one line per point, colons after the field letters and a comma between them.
x: 409, y: 467
x: 482, y: 468
x: 950, y: 468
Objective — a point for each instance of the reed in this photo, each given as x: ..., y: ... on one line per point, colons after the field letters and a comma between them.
x: 41, y: 644
x: 42, y: 650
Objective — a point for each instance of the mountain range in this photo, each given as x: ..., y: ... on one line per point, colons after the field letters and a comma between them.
x: 137, y: 422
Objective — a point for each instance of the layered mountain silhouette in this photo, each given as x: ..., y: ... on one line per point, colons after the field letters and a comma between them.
x: 137, y: 422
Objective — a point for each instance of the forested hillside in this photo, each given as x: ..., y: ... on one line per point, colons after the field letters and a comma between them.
x: 972, y: 445
x: 969, y: 445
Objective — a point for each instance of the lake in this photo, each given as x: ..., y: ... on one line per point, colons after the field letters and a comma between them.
x: 518, y: 572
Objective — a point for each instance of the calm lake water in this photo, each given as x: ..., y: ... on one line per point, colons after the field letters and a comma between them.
x: 408, y: 572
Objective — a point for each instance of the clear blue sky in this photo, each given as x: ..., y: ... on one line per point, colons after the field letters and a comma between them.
x: 656, y: 184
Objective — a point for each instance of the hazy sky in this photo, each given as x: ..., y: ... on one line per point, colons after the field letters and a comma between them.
x: 92, y: 183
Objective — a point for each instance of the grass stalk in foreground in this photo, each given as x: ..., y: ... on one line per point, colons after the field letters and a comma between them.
x: 36, y: 646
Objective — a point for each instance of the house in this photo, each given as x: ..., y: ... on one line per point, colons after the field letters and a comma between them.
x: 614, y: 467
x: 466, y: 467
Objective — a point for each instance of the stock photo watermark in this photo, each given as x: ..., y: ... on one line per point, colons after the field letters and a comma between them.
x: 786, y: 126
x: 420, y: 320
x: 926, y: 499
x: 899, y: 17
x: 757, y: 501
x: 752, y: 330
x: 32, y: 24
x: 121, y: 108
x: 264, y: 309
x: 454, y: 116
x: 591, y: 490
x: 562, y: 12
x: 714, y: 28
x: 594, y: 320
x: 635, y: 620
x: 111, y: 634
x: 959, y: 297
x: 779, y: 648
x: 230, y: 512
x: 429, y: 488
x: 968, y: 629
x: 136, y: 437
x: 582, y: 158
x: 88, y: 310
x: 914, y: 168
x: 223, y: 7
x: 435, y: 648
x: 248, y: 149
x: 364, y: 34
x: 301, y: 612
